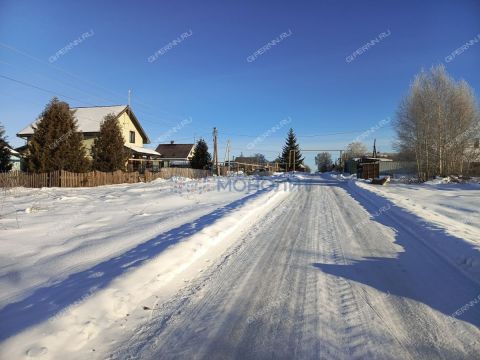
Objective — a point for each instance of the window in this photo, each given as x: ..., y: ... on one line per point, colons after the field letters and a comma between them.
x: 132, y: 137
x: 476, y: 144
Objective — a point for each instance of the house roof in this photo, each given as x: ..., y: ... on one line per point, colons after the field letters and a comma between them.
x: 175, y: 151
x: 142, y: 150
x: 13, y: 151
x: 90, y: 118
x: 247, y: 160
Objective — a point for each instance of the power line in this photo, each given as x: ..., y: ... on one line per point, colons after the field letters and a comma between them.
x: 13, y: 49
x: 98, y: 97
x: 43, y: 89
x: 23, y: 53
x: 303, y: 135
x: 72, y: 98
x: 50, y: 92
x: 331, y: 134
x: 61, y: 81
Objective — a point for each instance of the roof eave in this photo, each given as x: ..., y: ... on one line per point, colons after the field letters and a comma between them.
x: 23, y: 136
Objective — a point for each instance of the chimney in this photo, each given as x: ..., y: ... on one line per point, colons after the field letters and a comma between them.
x: 171, y: 142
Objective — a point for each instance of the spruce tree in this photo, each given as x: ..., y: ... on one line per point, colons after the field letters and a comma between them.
x: 56, y: 143
x: 291, y: 144
x: 201, y: 157
x: 5, y: 164
x: 108, y: 151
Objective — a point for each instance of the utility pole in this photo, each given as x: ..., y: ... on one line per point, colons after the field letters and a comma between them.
x: 374, y: 148
x: 291, y: 159
x: 227, y: 156
x: 215, y: 151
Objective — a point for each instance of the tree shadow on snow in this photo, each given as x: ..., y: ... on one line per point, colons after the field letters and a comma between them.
x: 439, y: 285
x: 48, y: 301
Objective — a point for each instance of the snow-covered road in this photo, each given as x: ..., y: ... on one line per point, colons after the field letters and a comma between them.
x: 297, y: 286
x: 326, y: 270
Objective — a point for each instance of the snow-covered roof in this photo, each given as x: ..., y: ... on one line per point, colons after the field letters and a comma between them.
x: 142, y: 150
x: 13, y: 152
x: 90, y: 118
x: 379, y: 159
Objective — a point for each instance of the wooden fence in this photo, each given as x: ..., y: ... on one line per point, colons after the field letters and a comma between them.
x: 167, y: 173
x: 63, y: 178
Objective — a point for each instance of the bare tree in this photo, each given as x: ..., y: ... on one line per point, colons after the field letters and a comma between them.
x: 323, y: 161
x: 260, y: 158
x: 437, y: 121
x: 356, y: 149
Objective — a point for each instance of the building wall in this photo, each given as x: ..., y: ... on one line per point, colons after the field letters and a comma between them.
x: 127, y: 125
x: 88, y: 143
x: 397, y: 167
x: 190, y: 155
x: 15, y: 161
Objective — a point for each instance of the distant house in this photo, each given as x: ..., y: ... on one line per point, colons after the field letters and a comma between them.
x: 176, y: 155
x: 15, y: 159
x: 370, y: 167
x: 474, y: 147
x: 473, y: 158
x: 247, y: 160
x: 249, y: 164
x: 135, y: 137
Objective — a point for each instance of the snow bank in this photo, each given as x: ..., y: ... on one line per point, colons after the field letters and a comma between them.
x: 119, y: 292
x: 48, y: 234
x: 452, y: 207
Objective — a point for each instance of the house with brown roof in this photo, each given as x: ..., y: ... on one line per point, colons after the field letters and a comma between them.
x: 176, y: 155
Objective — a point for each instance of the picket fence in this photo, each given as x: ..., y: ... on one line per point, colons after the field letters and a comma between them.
x: 63, y: 178
x: 167, y: 173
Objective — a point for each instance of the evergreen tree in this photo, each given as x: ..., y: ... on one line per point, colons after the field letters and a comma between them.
x: 201, y: 157
x: 291, y: 144
x: 108, y: 151
x: 5, y: 164
x: 56, y: 143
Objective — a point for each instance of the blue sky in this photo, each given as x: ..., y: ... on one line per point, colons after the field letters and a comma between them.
x: 207, y: 78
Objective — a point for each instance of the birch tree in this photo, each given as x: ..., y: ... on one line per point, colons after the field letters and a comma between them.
x: 438, y: 121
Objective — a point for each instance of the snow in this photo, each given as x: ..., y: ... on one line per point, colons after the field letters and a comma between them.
x: 141, y: 149
x: 331, y: 268
x: 88, y: 118
x: 451, y: 206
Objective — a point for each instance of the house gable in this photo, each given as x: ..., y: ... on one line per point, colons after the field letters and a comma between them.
x: 89, y: 120
x: 174, y: 151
